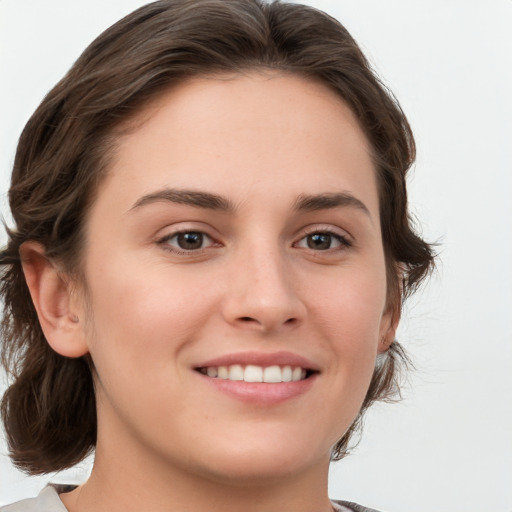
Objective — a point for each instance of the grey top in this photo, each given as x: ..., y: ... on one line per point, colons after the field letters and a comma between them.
x: 49, y: 501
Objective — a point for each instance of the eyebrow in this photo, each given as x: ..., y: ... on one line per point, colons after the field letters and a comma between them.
x: 211, y: 201
x: 187, y: 197
x: 311, y: 203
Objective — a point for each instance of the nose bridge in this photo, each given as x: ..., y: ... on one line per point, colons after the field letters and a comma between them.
x: 262, y: 293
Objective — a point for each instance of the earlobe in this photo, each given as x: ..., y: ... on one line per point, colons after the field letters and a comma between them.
x: 389, y: 326
x: 51, y: 295
x: 393, y: 311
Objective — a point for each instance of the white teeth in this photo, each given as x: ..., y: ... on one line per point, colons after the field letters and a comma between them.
x: 286, y: 373
x: 253, y: 373
x: 222, y: 372
x: 272, y: 374
x: 236, y: 372
x: 296, y: 374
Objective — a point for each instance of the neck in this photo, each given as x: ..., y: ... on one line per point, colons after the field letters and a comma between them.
x: 116, y: 485
x: 130, y: 475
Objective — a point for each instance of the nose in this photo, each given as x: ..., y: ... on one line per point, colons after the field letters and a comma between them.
x: 262, y: 294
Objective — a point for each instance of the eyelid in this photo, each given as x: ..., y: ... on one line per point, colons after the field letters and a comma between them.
x: 325, y: 228
x: 173, y: 231
x: 341, y: 235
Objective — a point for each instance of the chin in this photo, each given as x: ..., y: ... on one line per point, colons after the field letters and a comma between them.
x: 255, y: 465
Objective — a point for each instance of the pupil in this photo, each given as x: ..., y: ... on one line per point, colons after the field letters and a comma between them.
x: 319, y: 241
x: 190, y: 240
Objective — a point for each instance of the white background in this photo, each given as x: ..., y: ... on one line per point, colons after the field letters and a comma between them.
x: 448, y: 445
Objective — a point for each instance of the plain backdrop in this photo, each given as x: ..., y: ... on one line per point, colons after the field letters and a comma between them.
x: 448, y: 445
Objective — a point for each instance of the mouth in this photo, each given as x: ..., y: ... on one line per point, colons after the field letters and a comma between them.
x: 252, y: 373
x: 260, y: 379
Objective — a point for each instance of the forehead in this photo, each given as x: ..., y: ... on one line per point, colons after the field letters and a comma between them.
x: 260, y: 127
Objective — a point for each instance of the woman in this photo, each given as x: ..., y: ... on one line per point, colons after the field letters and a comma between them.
x: 210, y: 251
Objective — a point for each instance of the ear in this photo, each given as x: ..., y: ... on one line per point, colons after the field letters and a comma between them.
x: 388, y: 327
x: 56, y: 309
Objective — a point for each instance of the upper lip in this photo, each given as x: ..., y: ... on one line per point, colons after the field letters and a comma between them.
x: 281, y: 358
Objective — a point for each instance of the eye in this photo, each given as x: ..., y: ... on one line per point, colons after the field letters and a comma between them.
x: 187, y: 241
x: 323, y: 241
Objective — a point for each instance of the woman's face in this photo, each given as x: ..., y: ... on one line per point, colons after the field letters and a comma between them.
x: 236, y: 236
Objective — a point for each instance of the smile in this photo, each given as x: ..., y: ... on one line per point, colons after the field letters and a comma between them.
x: 254, y: 373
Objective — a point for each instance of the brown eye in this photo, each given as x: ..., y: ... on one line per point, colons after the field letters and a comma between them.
x: 190, y: 241
x: 187, y: 241
x: 323, y: 241
x: 319, y: 241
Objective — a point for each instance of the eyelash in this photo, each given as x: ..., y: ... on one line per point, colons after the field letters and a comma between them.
x: 344, y: 242
x: 164, y: 242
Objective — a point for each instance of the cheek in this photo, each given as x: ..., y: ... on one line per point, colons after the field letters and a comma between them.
x: 350, y: 318
x: 144, y: 313
x: 351, y: 305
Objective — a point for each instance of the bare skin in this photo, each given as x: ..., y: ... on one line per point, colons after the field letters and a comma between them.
x: 238, y: 226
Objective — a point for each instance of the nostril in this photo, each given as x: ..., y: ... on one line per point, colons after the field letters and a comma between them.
x: 249, y: 319
x: 266, y: 322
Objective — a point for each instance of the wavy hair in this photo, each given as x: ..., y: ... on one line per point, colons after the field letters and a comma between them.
x: 49, y: 410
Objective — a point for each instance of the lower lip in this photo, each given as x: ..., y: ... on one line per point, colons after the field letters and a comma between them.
x: 261, y: 393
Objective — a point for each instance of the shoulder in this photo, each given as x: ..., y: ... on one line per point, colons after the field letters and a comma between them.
x: 348, y: 506
x: 20, y: 506
x: 47, y: 501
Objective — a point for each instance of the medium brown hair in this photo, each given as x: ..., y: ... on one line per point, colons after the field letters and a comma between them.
x: 63, y: 153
